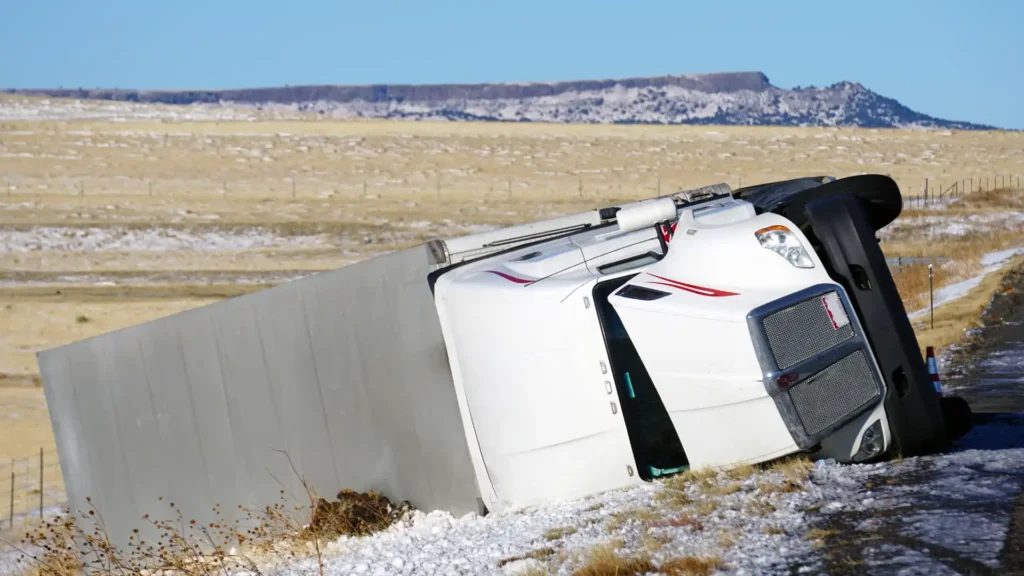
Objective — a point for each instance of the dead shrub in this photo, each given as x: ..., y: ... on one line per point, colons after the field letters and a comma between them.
x: 762, y: 507
x: 691, y: 566
x: 706, y: 506
x: 80, y: 542
x: 77, y: 544
x: 539, y: 554
x: 723, y: 489
x: 604, y: 561
x: 819, y: 533
x: 686, y: 521
x: 643, y: 516
x: 797, y: 468
x: 559, y: 533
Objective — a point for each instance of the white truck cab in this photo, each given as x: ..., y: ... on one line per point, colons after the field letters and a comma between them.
x: 612, y: 347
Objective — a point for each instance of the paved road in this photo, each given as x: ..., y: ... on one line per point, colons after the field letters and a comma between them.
x: 961, y: 512
x: 992, y: 380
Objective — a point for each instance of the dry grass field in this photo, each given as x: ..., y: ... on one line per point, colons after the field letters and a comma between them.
x: 107, y: 223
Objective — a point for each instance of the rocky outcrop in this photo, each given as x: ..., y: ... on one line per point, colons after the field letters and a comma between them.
x: 738, y: 98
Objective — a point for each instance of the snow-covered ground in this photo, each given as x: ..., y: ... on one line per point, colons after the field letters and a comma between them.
x: 162, y: 239
x: 991, y: 262
x: 753, y: 530
x: 21, y: 279
x: 951, y: 226
x: 918, y: 515
x: 19, y: 109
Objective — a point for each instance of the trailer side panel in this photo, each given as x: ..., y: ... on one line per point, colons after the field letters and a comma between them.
x: 343, y: 373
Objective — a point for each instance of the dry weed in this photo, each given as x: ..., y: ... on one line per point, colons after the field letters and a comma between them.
x: 819, y: 533
x: 80, y: 542
x: 604, y: 561
x: 706, y: 506
x: 796, y: 468
x: 723, y: 489
x: 686, y: 521
x: 559, y: 533
x: 691, y: 566
x: 651, y: 543
x: 642, y: 516
x: 540, y: 554
x: 762, y: 507
x: 741, y: 472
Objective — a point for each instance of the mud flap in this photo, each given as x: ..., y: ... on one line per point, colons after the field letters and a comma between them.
x: 846, y: 242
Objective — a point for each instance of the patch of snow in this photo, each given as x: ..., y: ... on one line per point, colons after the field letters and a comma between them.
x: 866, y: 498
x: 1001, y: 257
x: 992, y: 262
x: 150, y: 239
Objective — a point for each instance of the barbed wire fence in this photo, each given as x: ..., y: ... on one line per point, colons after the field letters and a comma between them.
x: 916, y: 193
x: 31, y: 487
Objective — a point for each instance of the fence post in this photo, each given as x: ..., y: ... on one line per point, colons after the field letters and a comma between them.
x: 11, y: 516
x: 931, y: 293
x: 293, y: 188
x: 580, y: 186
x: 40, y: 483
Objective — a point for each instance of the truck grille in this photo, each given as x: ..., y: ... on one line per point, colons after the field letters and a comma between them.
x: 834, y: 393
x: 803, y: 331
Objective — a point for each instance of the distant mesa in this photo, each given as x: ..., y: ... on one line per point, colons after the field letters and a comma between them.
x: 731, y: 98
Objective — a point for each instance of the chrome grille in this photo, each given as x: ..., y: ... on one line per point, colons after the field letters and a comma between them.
x: 803, y: 331
x: 834, y: 393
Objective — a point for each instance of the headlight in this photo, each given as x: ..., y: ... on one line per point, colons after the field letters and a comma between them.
x: 871, y: 444
x: 783, y: 242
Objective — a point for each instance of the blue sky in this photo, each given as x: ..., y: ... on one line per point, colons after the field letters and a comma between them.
x: 957, y: 60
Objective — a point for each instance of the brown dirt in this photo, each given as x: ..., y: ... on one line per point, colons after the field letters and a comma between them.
x: 356, y: 514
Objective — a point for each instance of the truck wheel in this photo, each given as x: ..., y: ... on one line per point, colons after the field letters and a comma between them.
x: 957, y: 414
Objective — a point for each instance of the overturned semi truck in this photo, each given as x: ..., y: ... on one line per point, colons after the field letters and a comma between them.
x: 517, y: 366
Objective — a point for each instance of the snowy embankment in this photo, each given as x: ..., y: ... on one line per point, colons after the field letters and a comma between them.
x: 991, y: 262
x: 156, y: 239
x: 748, y: 523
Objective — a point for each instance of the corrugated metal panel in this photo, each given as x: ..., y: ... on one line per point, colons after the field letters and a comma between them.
x: 346, y: 371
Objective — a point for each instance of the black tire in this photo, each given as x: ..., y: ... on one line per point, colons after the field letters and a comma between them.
x: 957, y: 414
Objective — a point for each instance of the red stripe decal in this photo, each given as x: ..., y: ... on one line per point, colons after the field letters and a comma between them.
x: 667, y: 232
x: 511, y: 278
x: 701, y: 290
x: 835, y: 325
